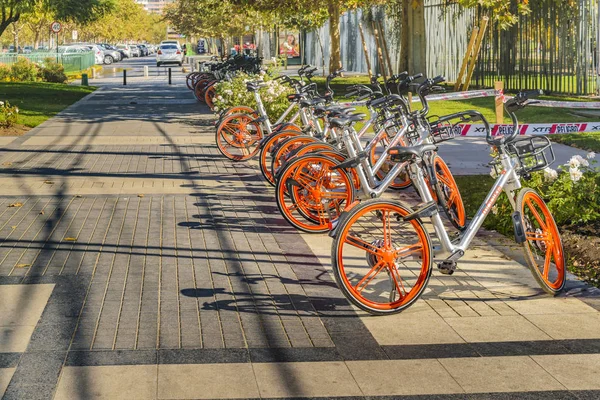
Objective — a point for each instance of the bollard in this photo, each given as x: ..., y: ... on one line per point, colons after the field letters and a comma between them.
x: 84, y: 80
x: 93, y: 73
x: 145, y: 71
x: 169, y: 76
x: 124, y: 77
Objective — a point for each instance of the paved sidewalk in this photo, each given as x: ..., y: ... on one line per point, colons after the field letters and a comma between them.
x: 137, y: 262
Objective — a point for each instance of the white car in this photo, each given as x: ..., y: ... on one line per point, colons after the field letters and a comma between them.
x: 126, y: 49
x: 175, y: 42
x: 169, y: 54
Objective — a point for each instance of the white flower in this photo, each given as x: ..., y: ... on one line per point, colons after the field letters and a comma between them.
x: 550, y: 174
x: 590, y: 155
x: 1, y: 103
x: 576, y: 174
x: 495, y: 210
x: 262, y: 72
x: 17, y: 110
x: 493, y: 173
x: 220, y: 98
x: 576, y: 161
x: 239, y: 95
x: 216, y: 109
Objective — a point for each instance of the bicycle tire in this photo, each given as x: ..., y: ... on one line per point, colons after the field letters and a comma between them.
x: 309, y: 192
x: 537, y: 226
x: 358, y: 230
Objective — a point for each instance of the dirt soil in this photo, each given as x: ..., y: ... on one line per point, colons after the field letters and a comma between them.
x: 582, y: 246
x: 17, y: 130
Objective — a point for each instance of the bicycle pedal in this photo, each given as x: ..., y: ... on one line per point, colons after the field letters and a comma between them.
x: 425, y: 210
x: 447, y: 267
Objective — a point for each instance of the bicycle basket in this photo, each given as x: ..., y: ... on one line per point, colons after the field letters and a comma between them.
x: 442, y: 130
x: 534, y: 153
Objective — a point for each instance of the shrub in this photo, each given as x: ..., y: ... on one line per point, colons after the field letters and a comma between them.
x: 572, y: 193
x: 24, y: 70
x: 53, y: 72
x: 4, y: 72
x: 8, y: 115
x: 234, y: 93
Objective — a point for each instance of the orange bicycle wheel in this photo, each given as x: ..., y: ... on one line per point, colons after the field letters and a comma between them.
x: 543, y: 245
x: 448, y: 195
x: 238, y: 137
x: 265, y: 152
x: 311, y: 195
x: 284, y: 149
x: 209, y: 95
x: 381, y: 263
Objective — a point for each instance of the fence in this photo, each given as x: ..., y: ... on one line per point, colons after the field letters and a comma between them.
x: 553, y: 48
x: 71, y: 62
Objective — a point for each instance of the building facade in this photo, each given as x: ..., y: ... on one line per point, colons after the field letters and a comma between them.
x: 154, y: 6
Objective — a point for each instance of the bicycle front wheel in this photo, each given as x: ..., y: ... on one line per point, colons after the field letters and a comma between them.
x: 543, y: 246
x: 238, y: 137
x: 381, y: 263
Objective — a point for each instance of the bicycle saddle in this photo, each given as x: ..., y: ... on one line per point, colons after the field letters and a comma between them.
x: 402, y: 153
x: 312, y: 102
x: 254, y: 86
x: 346, y: 120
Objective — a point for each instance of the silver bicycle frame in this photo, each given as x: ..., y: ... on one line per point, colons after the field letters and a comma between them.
x: 508, y: 180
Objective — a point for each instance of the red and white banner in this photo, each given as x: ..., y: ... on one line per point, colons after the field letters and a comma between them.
x: 528, y: 129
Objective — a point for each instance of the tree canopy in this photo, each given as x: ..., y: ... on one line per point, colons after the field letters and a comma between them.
x: 79, y: 11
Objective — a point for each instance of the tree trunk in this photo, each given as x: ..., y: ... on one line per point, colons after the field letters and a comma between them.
x: 335, y: 60
x: 414, y: 39
x: 405, y: 37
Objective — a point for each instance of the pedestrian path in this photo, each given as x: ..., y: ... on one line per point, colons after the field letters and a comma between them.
x: 137, y: 262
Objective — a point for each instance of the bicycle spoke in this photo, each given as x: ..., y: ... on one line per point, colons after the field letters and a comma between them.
x: 547, y: 262
x: 537, y: 215
x: 373, y: 272
x: 361, y: 244
x: 409, y: 250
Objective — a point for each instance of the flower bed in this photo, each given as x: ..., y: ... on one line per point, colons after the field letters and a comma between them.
x: 234, y: 93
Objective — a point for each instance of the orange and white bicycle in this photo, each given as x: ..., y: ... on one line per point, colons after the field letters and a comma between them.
x: 382, y: 255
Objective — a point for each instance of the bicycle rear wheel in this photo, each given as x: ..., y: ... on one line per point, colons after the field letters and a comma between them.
x: 381, y: 263
x: 543, y: 246
x: 448, y: 195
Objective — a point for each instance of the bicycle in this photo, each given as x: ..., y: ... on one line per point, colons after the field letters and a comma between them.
x: 297, y: 185
x: 382, y: 254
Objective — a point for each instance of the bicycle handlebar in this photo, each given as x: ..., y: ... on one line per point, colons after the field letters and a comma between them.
x: 518, y: 102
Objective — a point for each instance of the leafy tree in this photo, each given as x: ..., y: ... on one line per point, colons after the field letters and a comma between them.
x: 81, y: 11
x: 311, y: 12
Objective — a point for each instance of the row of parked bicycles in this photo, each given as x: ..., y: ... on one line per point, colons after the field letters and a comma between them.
x: 203, y: 81
x: 330, y: 167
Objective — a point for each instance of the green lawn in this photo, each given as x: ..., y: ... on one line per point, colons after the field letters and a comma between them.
x: 586, y: 141
x: 40, y: 101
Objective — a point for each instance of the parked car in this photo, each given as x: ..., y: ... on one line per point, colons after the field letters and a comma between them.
x: 125, y: 49
x: 73, y: 49
x: 143, y: 50
x: 111, y: 54
x: 98, y: 53
x: 135, y: 51
x: 169, y: 54
x: 27, y: 49
x: 175, y: 42
x: 11, y: 49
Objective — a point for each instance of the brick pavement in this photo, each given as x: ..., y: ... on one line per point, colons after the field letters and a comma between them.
x: 166, y: 271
